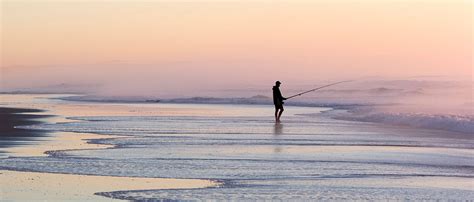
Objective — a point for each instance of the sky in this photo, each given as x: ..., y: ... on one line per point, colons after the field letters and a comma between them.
x: 156, y: 46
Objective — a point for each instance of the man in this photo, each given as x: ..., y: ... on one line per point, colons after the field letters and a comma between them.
x: 278, y: 101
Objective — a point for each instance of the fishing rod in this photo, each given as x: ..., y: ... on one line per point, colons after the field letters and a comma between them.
x: 315, y: 89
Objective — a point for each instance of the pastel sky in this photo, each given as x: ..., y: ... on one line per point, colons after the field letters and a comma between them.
x: 229, y: 43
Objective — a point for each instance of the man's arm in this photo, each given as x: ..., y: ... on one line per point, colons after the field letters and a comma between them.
x: 281, y: 96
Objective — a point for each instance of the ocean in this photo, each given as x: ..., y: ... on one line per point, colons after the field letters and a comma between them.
x: 310, y: 155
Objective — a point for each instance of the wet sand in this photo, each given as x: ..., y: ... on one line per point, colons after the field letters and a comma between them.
x: 411, y: 182
x: 17, y: 185
x: 11, y: 117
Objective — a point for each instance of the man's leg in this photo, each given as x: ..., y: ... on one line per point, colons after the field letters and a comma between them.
x: 279, y: 115
x: 276, y: 114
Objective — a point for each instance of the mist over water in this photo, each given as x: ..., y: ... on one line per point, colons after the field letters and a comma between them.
x: 439, y: 102
x: 447, y: 95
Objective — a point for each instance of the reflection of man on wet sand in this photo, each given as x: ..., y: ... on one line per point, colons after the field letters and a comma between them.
x: 277, y: 131
x: 278, y: 101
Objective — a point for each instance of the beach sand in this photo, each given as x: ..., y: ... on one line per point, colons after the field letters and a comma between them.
x: 60, y: 141
x: 17, y: 185
x: 25, y: 186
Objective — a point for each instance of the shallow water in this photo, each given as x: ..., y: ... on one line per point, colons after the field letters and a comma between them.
x: 304, y: 157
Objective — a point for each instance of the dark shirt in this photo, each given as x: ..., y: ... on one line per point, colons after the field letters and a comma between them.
x: 277, y: 97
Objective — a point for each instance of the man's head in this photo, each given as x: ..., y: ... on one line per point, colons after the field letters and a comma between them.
x: 277, y: 83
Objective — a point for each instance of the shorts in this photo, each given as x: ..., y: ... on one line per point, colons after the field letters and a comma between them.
x: 278, y: 106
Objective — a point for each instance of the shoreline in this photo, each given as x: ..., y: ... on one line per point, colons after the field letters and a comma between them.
x: 375, y: 167
x: 61, y: 141
x: 25, y: 185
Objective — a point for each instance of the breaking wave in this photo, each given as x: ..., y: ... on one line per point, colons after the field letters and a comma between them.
x: 453, y: 123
